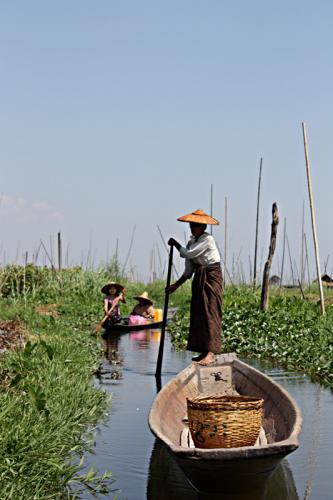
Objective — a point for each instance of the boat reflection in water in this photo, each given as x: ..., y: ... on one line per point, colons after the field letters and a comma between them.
x: 143, y: 338
x: 111, y: 368
x: 167, y: 481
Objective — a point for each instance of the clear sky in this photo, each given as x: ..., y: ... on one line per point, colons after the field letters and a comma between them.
x: 115, y: 113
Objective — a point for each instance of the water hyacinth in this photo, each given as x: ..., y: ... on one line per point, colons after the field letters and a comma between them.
x: 292, y: 332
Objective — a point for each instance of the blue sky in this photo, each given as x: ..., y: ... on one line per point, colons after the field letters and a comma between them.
x: 123, y: 113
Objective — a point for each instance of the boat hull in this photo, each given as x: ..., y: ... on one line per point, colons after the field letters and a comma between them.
x: 226, y: 469
x: 119, y: 327
x: 229, y: 477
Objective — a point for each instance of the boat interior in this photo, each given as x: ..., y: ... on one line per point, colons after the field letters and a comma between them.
x: 228, y: 376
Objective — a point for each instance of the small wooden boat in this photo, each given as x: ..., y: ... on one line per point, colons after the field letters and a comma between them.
x: 226, y: 469
x: 167, y: 481
x: 123, y: 326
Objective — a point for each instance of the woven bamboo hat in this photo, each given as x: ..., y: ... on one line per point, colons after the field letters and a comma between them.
x: 106, y: 287
x: 144, y: 298
x: 200, y: 217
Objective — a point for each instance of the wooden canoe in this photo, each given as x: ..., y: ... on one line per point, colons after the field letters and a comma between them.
x: 124, y: 327
x: 167, y: 481
x: 226, y: 469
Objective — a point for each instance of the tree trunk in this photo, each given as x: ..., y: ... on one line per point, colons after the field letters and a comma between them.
x: 265, y: 280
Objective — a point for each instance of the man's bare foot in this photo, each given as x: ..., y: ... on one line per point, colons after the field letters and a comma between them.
x: 207, y: 360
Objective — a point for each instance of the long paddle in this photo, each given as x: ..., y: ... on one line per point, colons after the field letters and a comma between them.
x: 165, y: 315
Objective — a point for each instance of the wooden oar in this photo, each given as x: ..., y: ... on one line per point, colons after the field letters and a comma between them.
x: 165, y: 315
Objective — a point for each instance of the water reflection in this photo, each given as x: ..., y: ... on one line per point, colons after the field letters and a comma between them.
x: 143, y: 338
x: 124, y: 445
x: 166, y: 480
x: 111, y: 368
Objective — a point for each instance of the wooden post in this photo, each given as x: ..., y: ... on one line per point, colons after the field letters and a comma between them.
x: 257, y: 225
x: 307, y: 260
x: 166, y: 248
x: 265, y: 280
x: 129, y: 251
x: 225, y: 237
x: 302, y: 252
x: 165, y: 315
x: 291, y: 263
x: 283, y: 251
x: 211, y: 206
x: 59, y: 251
x: 314, y: 229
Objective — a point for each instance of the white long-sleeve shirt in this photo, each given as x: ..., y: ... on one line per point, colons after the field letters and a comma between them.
x: 202, y: 251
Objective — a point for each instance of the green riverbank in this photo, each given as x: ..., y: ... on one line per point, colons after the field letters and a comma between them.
x: 49, y: 406
x: 292, y: 332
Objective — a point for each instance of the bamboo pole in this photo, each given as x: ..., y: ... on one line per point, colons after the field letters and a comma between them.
x: 129, y: 251
x: 291, y: 263
x: 283, y: 250
x: 257, y: 225
x: 225, y: 237
x: 313, y: 220
x: 47, y: 255
x: 165, y: 316
x: 211, y: 206
x: 302, y: 251
x: 59, y: 251
x: 166, y: 248
x: 307, y: 260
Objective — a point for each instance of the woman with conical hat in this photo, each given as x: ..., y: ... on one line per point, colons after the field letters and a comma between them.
x: 114, y: 294
x: 202, y: 261
x: 143, y: 311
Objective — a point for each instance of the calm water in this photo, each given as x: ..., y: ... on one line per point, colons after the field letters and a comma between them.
x: 140, y: 466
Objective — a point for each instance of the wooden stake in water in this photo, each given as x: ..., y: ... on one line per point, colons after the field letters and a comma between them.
x: 165, y: 315
x: 272, y: 245
x: 302, y: 252
x: 257, y: 225
x: 225, y: 237
x: 291, y: 263
x: 313, y: 220
x: 284, y: 249
x: 59, y: 251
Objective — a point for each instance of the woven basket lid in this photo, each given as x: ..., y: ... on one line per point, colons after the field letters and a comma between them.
x: 144, y: 298
x: 200, y: 217
x: 106, y: 287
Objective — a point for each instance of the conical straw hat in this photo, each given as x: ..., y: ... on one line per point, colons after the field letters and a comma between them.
x: 144, y: 298
x: 106, y: 287
x: 200, y: 217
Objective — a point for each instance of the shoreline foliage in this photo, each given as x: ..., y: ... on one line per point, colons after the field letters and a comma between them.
x: 292, y: 333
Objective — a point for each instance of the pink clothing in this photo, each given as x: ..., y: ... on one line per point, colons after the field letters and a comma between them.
x: 136, y: 320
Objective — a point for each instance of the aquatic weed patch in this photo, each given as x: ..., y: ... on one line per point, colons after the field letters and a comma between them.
x: 292, y: 332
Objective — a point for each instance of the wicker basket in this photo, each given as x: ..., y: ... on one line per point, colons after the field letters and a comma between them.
x: 224, y: 421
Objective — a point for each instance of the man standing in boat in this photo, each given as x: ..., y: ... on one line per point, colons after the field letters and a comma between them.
x: 202, y: 259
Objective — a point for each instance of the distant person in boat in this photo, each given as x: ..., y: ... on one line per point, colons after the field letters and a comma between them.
x: 202, y: 260
x: 114, y: 294
x: 143, y: 311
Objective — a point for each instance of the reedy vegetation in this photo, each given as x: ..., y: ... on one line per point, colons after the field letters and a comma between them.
x: 49, y: 407
x: 292, y: 332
